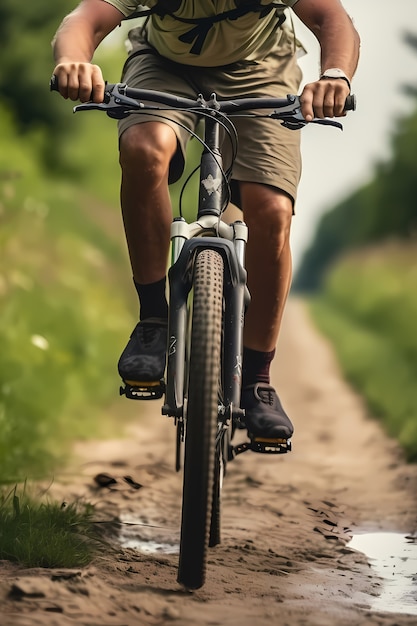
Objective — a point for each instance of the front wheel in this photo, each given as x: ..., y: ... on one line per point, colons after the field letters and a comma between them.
x: 201, y: 419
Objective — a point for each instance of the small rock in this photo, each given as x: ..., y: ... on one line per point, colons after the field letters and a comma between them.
x: 26, y: 589
x: 104, y: 480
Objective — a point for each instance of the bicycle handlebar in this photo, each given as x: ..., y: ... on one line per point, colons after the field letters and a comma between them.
x: 226, y: 106
x: 120, y: 100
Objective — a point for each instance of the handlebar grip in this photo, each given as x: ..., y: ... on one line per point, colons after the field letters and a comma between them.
x: 53, y: 83
x: 350, y: 104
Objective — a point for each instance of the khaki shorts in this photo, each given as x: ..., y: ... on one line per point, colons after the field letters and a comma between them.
x: 268, y: 153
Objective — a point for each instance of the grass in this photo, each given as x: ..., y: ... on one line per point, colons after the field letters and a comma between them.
x: 65, y: 310
x: 368, y: 310
x: 46, y: 534
x: 64, y: 317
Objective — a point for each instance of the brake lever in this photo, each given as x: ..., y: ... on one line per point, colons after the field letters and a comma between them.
x: 115, y: 104
x: 296, y: 124
x: 326, y: 121
x: 291, y: 117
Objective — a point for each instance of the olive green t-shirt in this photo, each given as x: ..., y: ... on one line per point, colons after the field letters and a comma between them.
x: 249, y: 37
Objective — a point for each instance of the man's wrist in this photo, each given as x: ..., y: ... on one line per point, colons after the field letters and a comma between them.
x: 335, y: 73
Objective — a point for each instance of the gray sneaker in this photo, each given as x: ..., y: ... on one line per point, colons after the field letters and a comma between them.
x: 143, y: 359
x: 264, y: 415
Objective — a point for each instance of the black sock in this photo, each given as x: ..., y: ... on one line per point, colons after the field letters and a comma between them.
x: 256, y: 366
x: 152, y: 299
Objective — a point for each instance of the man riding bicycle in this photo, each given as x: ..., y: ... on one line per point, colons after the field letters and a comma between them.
x: 235, y: 48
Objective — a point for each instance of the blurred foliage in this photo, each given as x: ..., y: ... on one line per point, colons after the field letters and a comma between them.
x: 384, y: 207
x: 368, y: 309
x: 65, y: 311
x: 64, y: 275
x: 26, y: 32
x: 411, y: 40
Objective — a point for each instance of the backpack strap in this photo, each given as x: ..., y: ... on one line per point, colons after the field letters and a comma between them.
x: 201, y: 26
x: 161, y: 8
x: 197, y: 35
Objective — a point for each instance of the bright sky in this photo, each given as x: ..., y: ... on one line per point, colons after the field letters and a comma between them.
x: 336, y: 163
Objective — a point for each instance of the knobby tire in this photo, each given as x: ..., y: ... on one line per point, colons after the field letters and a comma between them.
x: 201, y: 419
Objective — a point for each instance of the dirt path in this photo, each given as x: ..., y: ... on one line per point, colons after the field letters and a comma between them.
x: 286, y: 522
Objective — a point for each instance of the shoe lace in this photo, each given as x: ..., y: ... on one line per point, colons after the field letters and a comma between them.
x: 267, y: 396
x: 147, y: 333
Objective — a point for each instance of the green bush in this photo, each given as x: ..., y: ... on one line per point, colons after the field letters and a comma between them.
x: 378, y: 289
x: 64, y: 314
x: 368, y: 309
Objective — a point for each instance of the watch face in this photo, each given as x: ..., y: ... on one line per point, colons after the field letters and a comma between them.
x: 333, y: 74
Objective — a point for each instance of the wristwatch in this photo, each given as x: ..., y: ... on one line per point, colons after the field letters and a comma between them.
x: 335, y: 72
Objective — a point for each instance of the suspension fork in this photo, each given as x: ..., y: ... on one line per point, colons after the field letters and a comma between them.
x: 180, y: 280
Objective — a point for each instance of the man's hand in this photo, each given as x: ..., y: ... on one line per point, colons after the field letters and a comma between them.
x: 339, y: 48
x: 324, y: 98
x: 74, y: 44
x: 80, y: 81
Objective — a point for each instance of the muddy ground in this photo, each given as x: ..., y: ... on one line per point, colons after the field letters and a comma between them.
x: 287, y: 520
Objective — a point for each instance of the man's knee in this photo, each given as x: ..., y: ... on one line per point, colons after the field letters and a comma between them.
x: 146, y: 150
x: 278, y: 212
x: 269, y: 211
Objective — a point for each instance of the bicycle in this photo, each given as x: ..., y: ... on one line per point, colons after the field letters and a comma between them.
x: 208, y: 297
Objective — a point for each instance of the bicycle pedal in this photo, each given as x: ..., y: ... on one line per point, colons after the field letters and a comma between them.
x: 270, y: 446
x: 262, y: 446
x: 136, y: 390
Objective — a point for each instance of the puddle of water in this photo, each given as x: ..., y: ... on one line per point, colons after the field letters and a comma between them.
x: 393, y: 557
x: 150, y: 547
x: 138, y: 534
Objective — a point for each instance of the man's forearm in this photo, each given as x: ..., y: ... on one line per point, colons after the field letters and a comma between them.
x: 339, y: 43
x: 75, y: 41
x: 338, y: 38
x: 83, y: 30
